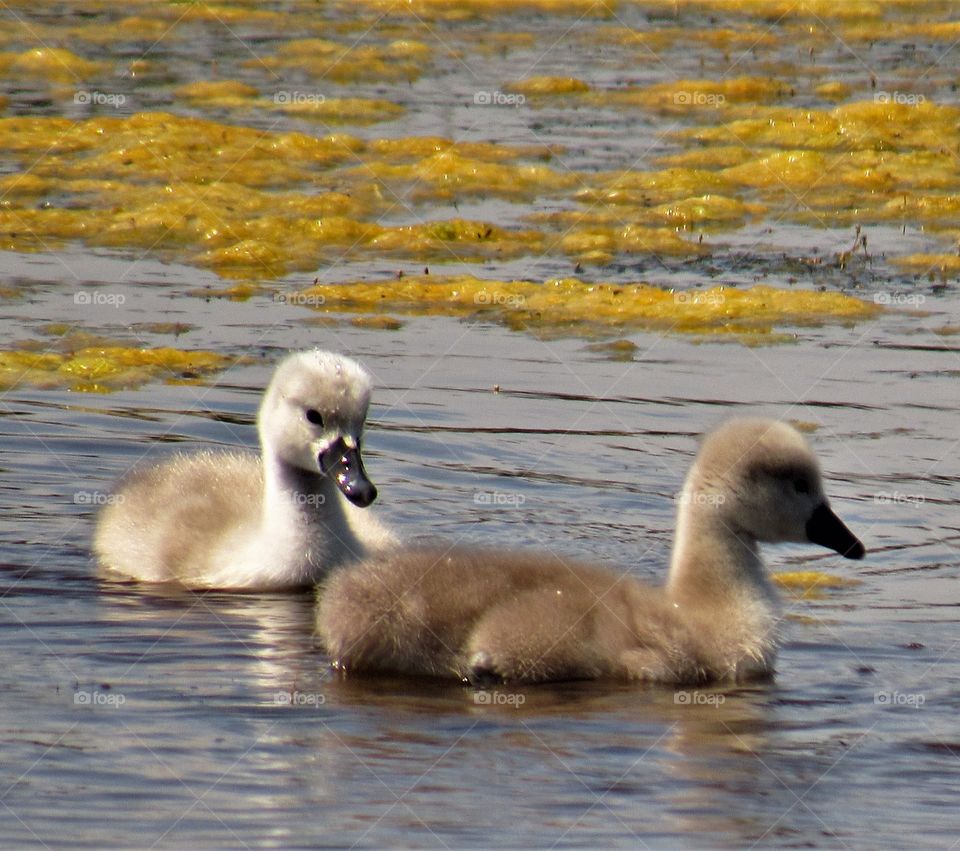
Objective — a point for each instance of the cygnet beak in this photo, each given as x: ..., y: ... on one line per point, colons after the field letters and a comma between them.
x: 826, y: 529
x: 344, y: 463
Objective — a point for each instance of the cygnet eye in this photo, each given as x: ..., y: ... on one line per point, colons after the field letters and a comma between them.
x: 801, y: 485
x: 314, y: 416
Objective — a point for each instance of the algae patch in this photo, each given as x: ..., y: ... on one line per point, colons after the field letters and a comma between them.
x: 574, y: 306
x: 84, y: 363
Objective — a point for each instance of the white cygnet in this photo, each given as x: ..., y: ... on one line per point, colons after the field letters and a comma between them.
x: 235, y: 521
x: 487, y: 616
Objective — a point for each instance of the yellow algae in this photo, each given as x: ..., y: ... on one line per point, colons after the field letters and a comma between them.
x: 24, y: 185
x: 874, y: 124
x: 683, y: 213
x: 703, y: 159
x: 705, y: 209
x: 615, y: 350
x: 101, y: 369
x: 216, y: 90
x: 382, y: 323
x: 833, y: 90
x: 891, y: 30
x: 811, y: 584
x: 931, y: 209
x: 248, y: 258
x: 462, y: 239
x: 175, y: 328
x: 51, y: 224
x: 777, y: 10
x: 800, y: 169
x: 541, y: 86
x: 459, y: 10
x: 447, y: 176
x: 133, y: 27
x: 329, y: 61
x: 337, y: 110
x: 243, y: 291
x: 923, y: 264
x: 220, y: 13
x: 53, y: 63
x: 720, y: 38
x: 647, y: 188
x: 586, y: 242
x: 159, y: 146
x: 683, y: 95
x: 572, y: 304
x: 413, y: 148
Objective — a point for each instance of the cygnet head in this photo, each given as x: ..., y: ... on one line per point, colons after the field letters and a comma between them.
x: 312, y: 419
x: 762, y: 479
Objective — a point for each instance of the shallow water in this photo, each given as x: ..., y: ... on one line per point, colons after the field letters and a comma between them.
x: 135, y: 718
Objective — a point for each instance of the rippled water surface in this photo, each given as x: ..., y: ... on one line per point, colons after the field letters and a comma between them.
x: 134, y: 718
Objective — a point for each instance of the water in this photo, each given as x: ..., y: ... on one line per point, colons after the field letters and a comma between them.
x: 133, y: 718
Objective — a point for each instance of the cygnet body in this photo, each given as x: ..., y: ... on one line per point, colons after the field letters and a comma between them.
x: 235, y: 521
x: 483, y: 615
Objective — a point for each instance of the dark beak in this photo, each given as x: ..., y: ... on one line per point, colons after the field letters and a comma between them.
x: 346, y: 467
x: 826, y: 529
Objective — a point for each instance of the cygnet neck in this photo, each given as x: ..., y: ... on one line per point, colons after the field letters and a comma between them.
x: 714, y: 560
x: 298, y: 499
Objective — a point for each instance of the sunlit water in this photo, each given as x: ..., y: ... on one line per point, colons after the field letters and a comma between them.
x: 138, y: 719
